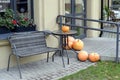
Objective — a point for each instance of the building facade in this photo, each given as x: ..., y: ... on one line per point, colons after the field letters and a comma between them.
x: 44, y: 14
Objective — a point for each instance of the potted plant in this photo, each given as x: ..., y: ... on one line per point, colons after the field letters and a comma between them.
x: 106, y: 12
x: 3, y: 28
x: 7, y: 21
x: 24, y: 24
x: 20, y: 23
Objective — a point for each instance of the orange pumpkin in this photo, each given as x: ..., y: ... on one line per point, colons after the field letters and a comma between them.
x: 65, y: 28
x: 78, y: 44
x: 70, y: 38
x: 69, y: 46
x: 82, y: 55
x: 70, y: 42
x: 94, y: 57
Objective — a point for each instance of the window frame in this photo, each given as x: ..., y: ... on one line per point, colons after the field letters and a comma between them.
x: 13, y: 4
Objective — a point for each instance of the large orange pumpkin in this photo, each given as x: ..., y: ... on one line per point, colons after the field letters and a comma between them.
x: 65, y: 28
x: 94, y: 57
x: 69, y: 42
x: 78, y: 44
x: 82, y: 55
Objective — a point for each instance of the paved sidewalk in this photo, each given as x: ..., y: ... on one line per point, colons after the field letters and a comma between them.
x: 42, y: 70
x: 105, y: 47
x: 107, y: 34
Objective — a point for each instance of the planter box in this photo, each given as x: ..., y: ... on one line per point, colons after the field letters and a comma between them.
x: 4, y: 30
x: 25, y: 29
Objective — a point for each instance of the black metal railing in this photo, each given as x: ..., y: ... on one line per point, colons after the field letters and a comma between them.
x: 61, y: 21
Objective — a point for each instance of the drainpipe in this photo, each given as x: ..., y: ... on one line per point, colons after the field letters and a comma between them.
x: 101, y: 18
x: 85, y: 16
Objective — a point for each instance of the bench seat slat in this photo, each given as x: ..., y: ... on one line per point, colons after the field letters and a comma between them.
x: 22, y: 45
x: 33, y: 51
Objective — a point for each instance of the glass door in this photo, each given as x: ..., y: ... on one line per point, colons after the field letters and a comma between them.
x: 76, y: 8
x: 81, y: 13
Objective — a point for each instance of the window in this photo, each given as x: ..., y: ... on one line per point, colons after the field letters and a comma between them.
x: 19, y: 6
x: 24, y: 7
x: 116, y: 4
x: 4, y: 4
x: 74, y: 5
x: 67, y: 7
x: 79, y: 6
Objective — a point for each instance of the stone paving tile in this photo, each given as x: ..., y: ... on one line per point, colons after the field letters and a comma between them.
x: 46, y: 71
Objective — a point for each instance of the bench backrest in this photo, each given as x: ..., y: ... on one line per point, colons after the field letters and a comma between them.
x: 27, y: 40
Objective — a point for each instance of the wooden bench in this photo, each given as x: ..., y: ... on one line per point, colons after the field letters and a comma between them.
x: 28, y: 44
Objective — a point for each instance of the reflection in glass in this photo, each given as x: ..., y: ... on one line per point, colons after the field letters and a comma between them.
x: 79, y: 6
x: 79, y: 23
x: 4, y: 4
x: 24, y: 7
x: 67, y: 6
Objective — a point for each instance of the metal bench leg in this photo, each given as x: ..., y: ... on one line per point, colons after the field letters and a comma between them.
x: 53, y: 55
x: 18, y: 65
x: 8, y: 62
x: 47, y: 56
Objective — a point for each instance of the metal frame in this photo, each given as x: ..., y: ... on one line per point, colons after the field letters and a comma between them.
x: 60, y: 22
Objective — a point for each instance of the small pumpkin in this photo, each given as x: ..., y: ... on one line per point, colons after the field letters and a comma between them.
x: 65, y: 28
x: 78, y: 44
x: 94, y: 57
x: 82, y: 55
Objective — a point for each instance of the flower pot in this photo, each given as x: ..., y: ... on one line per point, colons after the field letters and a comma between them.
x: 4, y: 30
x: 24, y: 29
